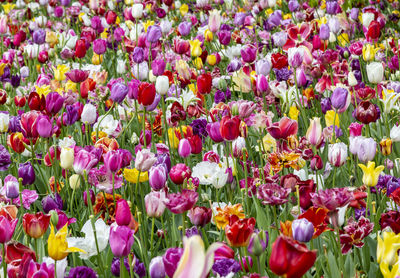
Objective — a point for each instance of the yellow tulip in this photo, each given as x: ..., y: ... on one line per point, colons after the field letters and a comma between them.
x: 58, y: 245
x: 368, y: 52
x: 198, y: 63
x: 371, y: 174
x: 43, y: 90
x: 184, y: 9
x: 195, y: 48
x: 8, y: 7
x: 329, y: 118
x: 131, y: 175
x: 294, y: 113
x: 173, y: 139
x: 51, y: 38
x: 60, y: 71
x: 211, y: 60
x: 147, y: 24
x: 208, y: 35
x: 392, y: 273
x: 97, y: 59
x: 71, y: 86
x: 388, y: 245
x: 386, y: 146
x: 2, y: 67
x: 269, y: 143
x: 183, y: 69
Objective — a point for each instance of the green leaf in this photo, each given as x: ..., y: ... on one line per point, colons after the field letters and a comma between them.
x: 261, y: 218
x: 334, y: 270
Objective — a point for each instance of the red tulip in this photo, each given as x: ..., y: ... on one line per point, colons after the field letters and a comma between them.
x: 279, y: 61
x: 239, y: 231
x: 20, y: 101
x: 196, y: 144
x: 229, y: 127
x: 35, y: 225
x: 36, y: 102
x: 123, y: 213
x: 28, y: 124
x: 374, y: 30
x: 80, y: 49
x: 111, y: 17
x: 290, y: 258
x: 16, y: 142
x: 204, y: 83
x: 87, y: 86
x: 15, y: 251
x: 283, y: 129
x: 3, y: 96
x: 147, y: 93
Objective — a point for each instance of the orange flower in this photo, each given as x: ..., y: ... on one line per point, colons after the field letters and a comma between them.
x: 53, y: 183
x: 284, y: 159
x: 157, y: 128
x: 101, y: 134
x: 107, y: 144
x: 222, y: 216
x: 319, y: 218
x: 286, y: 228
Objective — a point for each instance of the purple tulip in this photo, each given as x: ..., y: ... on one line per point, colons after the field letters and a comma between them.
x: 5, y: 158
x: 279, y: 38
x: 156, y: 268
x: 154, y: 105
x: 39, y: 36
x: 113, y: 161
x: 184, y: 28
x: 50, y: 203
x: 258, y: 242
x: 11, y: 186
x: 324, y: 32
x: 354, y: 14
x: 302, y: 230
x: 224, y: 37
x: 44, y: 126
x: 301, y: 78
x: 82, y: 271
x: 239, y: 19
x: 171, y: 259
x: 133, y: 89
x: 263, y: 67
x: 234, y: 65
x: 58, y: 12
x: 99, y: 46
x: 54, y: 102
x: 84, y: 161
x: 213, y: 130
x: 340, y: 99
x: 293, y: 5
x: 158, y: 67
x: 249, y: 54
x: 27, y: 173
x: 121, y: 240
x: 154, y: 33
x: 7, y: 229
x: 118, y: 92
x: 96, y: 24
x: 332, y: 7
x: 138, y: 55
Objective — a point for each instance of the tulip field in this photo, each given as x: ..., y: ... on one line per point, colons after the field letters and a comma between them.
x: 202, y: 138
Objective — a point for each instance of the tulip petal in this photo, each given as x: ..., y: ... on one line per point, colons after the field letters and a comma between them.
x: 193, y: 259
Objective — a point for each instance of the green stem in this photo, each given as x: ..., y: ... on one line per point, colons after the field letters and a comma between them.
x: 4, y: 260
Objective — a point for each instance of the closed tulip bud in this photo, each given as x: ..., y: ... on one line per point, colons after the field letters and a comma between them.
x: 258, y: 243
x: 314, y: 132
x: 74, y: 181
x: 214, y: 21
x: 12, y: 187
x: 316, y: 163
x: 340, y: 99
x: 184, y: 148
x: 368, y: 52
x: 301, y: 78
x: 162, y: 84
x: 80, y: 49
x: 144, y: 160
x: 375, y: 72
x: 154, y: 202
x: 137, y: 11
x: 158, y: 177
x: 302, y: 230
x: 158, y: 67
x: 54, y: 218
x: 92, y: 197
x: 324, y: 32
x: 44, y: 126
x: 337, y: 154
x: 35, y: 225
x: 262, y: 84
x: 27, y: 173
x: 89, y: 114
x: 386, y: 146
x: 156, y: 268
x: 208, y: 35
x: 122, y: 213
x: 121, y: 240
x: 352, y: 79
x: 200, y: 216
x: 4, y: 122
x: 67, y: 158
x: 147, y: 93
x: 388, y: 164
x: 204, y: 83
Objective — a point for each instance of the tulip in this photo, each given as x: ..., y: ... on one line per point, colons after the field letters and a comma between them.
x: 153, y: 33
x: 184, y: 148
x: 27, y: 173
x: 162, y: 84
x: 99, y: 46
x: 374, y: 30
x: 324, y: 32
x: 370, y: 173
x: 388, y: 246
x: 214, y: 132
x: 156, y: 268
x: 184, y: 28
x: 77, y: 76
x: 112, y: 161
x: 200, y: 216
x: 195, y: 262
x: 395, y: 133
x: 340, y: 99
x: 366, y: 149
x: 386, y: 146
x: 290, y: 258
x: 295, y: 56
x: 80, y: 49
x: 214, y: 21
x: 44, y: 126
x: 314, y: 132
x: 316, y: 163
x: 35, y: 225
x: 122, y: 213
x: 83, y: 161
x: 195, y: 48
x: 262, y: 84
x: 158, y: 67
x: 11, y: 186
x: 239, y: 231
x: 89, y: 114
x: 144, y: 160
x: 229, y: 127
x: 121, y: 240
x: 367, y: 112
x: 67, y: 158
x: 224, y: 37
x: 204, y: 83
x: 51, y: 203
x: 57, y: 244
x: 4, y: 122
x: 5, y: 158
x: 375, y: 72
x: 74, y: 181
x: 302, y: 230
x: 54, y: 102
x: 171, y: 259
x: 147, y: 93
x: 179, y: 173
x: 368, y: 52
x: 337, y: 154
x: 28, y: 124
x: 137, y: 10
x: 248, y: 54
x: 15, y: 141
x: 283, y: 129
x: 154, y: 202
x: 258, y: 243
x: 7, y: 228
x: 178, y: 203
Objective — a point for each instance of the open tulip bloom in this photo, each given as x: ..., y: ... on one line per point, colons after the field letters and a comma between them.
x: 194, y: 139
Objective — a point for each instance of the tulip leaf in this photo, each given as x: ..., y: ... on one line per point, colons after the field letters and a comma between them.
x: 262, y: 221
x: 334, y: 270
x: 349, y: 266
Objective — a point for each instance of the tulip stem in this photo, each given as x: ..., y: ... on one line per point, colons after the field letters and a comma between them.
x: 152, y: 235
x: 113, y: 185
x: 144, y: 127
x: 4, y: 260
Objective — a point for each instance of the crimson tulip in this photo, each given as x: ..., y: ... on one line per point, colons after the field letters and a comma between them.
x: 204, y: 83
x: 283, y: 129
x: 229, y: 127
x: 290, y: 258
x: 35, y: 225
x: 80, y: 49
x: 239, y: 231
x: 28, y: 124
x: 279, y: 61
x: 20, y: 101
x: 15, y: 251
x: 367, y: 112
x: 374, y: 30
x: 147, y: 93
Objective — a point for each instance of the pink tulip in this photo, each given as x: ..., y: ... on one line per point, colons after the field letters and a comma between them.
x: 314, y: 132
x: 121, y: 240
x: 7, y: 228
x: 283, y: 129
